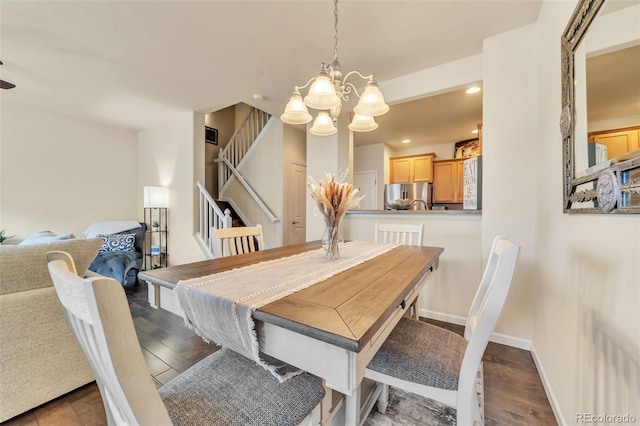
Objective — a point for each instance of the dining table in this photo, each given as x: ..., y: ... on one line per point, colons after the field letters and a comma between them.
x: 330, y: 329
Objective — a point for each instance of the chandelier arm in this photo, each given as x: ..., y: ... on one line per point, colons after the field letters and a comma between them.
x: 298, y: 88
x: 364, y: 77
x: 348, y: 87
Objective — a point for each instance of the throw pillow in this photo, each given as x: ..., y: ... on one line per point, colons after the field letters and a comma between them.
x: 118, y: 242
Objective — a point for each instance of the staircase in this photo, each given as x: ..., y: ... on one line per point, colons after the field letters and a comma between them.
x: 235, y: 218
x: 220, y: 213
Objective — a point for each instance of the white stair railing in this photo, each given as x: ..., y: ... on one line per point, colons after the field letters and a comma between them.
x: 230, y: 158
x: 211, y: 216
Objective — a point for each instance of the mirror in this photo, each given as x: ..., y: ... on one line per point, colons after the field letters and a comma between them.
x: 600, y: 120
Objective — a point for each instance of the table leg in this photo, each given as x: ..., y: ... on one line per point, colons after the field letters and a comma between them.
x: 352, y: 409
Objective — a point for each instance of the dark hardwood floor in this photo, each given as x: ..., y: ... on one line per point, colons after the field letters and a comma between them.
x: 513, y: 391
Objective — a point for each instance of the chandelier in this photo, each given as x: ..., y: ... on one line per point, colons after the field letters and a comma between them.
x: 328, y: 90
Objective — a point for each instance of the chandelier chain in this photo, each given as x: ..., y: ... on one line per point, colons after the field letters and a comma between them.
x: 335, y: 29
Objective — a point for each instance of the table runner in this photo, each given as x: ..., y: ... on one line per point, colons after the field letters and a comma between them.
x: 219, y: 307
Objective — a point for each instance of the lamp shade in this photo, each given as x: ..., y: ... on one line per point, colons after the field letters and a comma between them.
x: 156, y: 196
x: 362, y: 123
x: 323, y: 125
x: 371, y: 102
x: 322, y: 94
x: 296, y: 111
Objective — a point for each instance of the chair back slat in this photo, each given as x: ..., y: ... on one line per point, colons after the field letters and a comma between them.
x: 399, y: 234
x: 98, y: 315
x: 238, y: 240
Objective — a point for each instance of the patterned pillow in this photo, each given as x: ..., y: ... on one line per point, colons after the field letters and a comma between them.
x: 118, y: 242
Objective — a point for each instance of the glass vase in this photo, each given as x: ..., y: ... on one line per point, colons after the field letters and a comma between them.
x: 332, y: 241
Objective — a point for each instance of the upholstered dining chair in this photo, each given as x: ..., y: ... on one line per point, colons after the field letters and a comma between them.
x: 440, y: 364
x: 238, y: 240
x: 223, y: 389
x: 401, y: 233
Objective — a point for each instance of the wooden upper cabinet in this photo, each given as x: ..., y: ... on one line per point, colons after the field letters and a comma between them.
x: 423, y: 169
x: 413, y: 168
x: 448, y: 181
x: 618, y: 141
x: 401, y: 170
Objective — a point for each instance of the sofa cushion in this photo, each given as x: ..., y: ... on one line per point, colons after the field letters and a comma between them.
x: 24, y: 267
x: 45, y: 237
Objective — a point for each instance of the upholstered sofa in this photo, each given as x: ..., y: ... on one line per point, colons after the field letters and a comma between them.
x: 39, y: 357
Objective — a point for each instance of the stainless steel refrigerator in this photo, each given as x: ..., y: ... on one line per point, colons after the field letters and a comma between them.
x: 420, y: 193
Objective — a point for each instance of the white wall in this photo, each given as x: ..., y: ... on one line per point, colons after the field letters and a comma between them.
x: 450, y: 290
x: 172, y: 155
x: 586, y: 283
x: 60, y: 173
x: 508, y: 172
x: 262, y: 169
x: 443, y: 151
x: 326, y: 154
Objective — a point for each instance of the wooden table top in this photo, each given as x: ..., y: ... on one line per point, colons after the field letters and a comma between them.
x: 345, y: 309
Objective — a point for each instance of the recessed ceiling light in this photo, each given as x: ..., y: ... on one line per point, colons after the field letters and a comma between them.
x: 472, y: 90
x: 474, y: 131
x: 406, y: 140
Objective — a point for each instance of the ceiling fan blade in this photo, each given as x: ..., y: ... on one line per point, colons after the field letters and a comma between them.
x: 6, y: 85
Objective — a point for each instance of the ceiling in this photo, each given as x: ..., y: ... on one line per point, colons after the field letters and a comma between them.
x: 136, y: 63
x: 613, y: 85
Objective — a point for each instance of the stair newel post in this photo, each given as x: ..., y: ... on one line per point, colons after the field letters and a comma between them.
x: 227, y: 219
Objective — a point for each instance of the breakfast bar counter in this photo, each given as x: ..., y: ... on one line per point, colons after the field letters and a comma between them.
x: 414, y: 212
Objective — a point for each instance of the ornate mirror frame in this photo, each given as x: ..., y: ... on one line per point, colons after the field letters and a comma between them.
x: 614, y: 189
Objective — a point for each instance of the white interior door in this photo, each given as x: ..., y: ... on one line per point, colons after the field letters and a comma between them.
x: 297, y: 203
x: 367, y: 183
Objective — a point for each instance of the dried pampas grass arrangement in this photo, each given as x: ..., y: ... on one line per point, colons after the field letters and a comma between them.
x: 334, y: 197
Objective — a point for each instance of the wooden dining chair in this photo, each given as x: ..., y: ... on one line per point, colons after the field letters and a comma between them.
x: 440, y: 364
x: 238, y: 240
x: 401, y: 233
x: 223, y: 389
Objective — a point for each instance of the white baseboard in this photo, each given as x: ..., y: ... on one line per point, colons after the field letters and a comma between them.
x: 551, y: 396
x: 503, y: 339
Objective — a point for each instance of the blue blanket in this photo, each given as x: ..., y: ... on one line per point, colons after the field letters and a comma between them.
x: 117, y: 265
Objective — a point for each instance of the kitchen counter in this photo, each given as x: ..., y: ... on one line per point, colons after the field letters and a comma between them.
x: 414, y: 212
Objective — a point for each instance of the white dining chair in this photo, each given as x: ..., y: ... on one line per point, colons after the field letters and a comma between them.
x: 237, y: 240
x: 440, y: 364
x: 225, y: 388
x: 401, y: 233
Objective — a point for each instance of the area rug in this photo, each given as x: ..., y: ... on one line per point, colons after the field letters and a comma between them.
x: 406, y: 408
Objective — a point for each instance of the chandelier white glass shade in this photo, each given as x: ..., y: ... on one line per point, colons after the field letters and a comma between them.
x: 323, y: 125
x: 362, y: 123
x: 327, y: 91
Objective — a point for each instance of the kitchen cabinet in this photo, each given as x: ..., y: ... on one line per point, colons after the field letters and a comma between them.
x: 448, y: 181
x: 412, y: 168
x: 617, y: 141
